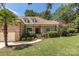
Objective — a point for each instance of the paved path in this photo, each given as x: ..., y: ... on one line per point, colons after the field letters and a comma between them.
x: 18, y: 43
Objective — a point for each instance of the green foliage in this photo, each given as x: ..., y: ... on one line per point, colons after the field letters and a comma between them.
x: 28, y: 37
x: 51, y: 34
x: 46, y: 15
x: 8, y: 15
x: 68, y: 16
x: 68, y: 30
x: 60, y: 11
x: 49, y: 6
x: 47, y: 12
x: 31, y: 13
x: 64, y: 31
x: 67, y: 12
x: 71, y: 30
x: 59, y: 46
x: 76, y: 21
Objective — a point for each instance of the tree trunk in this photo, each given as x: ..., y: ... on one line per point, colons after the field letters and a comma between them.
x: 5, y: 33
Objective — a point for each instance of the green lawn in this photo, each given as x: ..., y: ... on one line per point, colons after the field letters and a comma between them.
x: 52, y: 46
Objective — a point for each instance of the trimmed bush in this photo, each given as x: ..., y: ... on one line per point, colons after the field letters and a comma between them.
x: 68, y: 32
x: 65, y: 32
x: 71, y: 30
x: 45, y: 35
x: 29, y: 37
x: 51, y: 34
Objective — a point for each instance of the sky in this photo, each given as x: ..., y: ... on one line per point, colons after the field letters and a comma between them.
x: 19, y: 8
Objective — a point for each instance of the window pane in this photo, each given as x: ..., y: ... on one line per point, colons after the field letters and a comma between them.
x: 47, y: 29
x: 29, y: 30
x: 26, y: 20
x: 34, y: 20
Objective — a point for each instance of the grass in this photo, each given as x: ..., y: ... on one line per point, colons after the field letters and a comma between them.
x: 52, y: 46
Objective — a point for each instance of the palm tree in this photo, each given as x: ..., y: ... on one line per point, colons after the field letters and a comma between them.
x: 48, y: 12
x: 49, y: 6
x: 6, y: 16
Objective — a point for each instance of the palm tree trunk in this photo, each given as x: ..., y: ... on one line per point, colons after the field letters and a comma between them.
x: 5, y: 27
x: 5, y: 33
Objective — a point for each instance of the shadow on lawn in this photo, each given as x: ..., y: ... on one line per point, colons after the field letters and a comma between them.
x: 15, y: 47
x: 19, y: 47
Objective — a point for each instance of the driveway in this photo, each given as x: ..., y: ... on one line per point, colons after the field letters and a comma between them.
x: 18, y: 43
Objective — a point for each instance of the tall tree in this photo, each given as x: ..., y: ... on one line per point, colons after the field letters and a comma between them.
x: 6, y: 17
x: 49, y: 6
x: 66, y: 12
x: 47, y: 13
x: 31, y: 13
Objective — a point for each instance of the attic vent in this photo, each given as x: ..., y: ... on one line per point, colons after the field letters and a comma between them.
x: 34, y: 20
x: 26, y: 20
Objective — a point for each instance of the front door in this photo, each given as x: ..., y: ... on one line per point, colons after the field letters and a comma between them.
x: 37, y: 31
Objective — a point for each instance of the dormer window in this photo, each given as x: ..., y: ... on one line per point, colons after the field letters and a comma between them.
x: 26, y: 20
x: 34, y: 20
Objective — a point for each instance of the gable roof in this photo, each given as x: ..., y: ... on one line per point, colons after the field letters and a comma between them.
x: 39, y: 20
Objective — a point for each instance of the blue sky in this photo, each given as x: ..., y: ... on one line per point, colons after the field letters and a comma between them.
x: 19, y: 8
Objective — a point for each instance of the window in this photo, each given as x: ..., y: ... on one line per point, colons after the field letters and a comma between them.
x: 34, y: 20
x: 55, y: 27
x: 47, y: 29
x: 29, y: 30
x: 26, y: 20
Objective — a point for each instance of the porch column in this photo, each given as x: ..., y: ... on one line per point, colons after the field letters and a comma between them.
x: 33, y: 29
x: 41, y: 29
x: 57, y: 27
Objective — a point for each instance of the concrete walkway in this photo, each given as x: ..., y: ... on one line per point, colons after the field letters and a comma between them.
x: 19, y: 43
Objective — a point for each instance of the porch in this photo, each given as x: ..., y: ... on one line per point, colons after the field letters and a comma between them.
x: 41, y: 29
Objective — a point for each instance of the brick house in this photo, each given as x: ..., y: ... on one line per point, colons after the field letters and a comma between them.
x: 39, y: 25
x: 35, y: 25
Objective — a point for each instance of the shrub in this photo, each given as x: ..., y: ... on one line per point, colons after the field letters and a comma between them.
x: 29, y: 37
x: 68, y: 32
x: 76, y: 21
x: 65, y: 33
x: 51, y: 34
x: 71, y: 30
x: 45, y: 35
